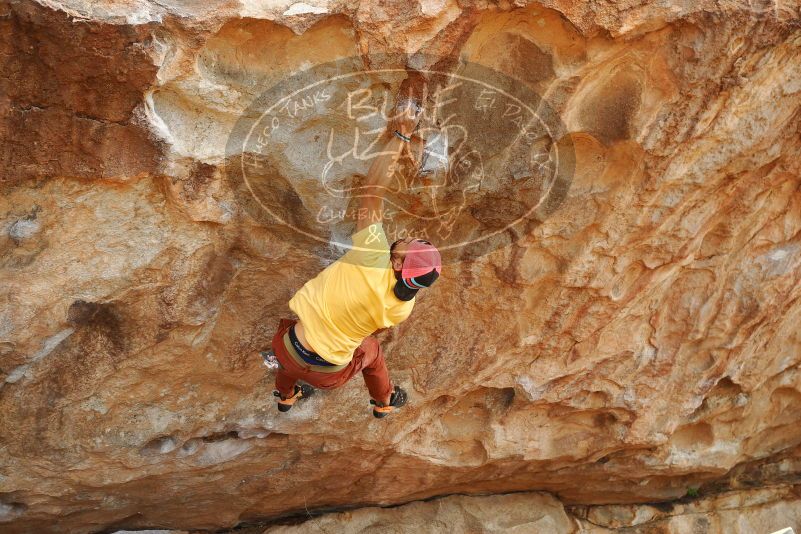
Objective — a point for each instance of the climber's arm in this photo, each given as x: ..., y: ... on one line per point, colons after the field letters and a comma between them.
x: 385, y: 165
x: 379, y: 176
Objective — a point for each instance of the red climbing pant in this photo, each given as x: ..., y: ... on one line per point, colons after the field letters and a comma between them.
x: 367, y: 358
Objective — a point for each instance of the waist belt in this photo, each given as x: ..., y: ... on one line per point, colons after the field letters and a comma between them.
x: 311, y: 360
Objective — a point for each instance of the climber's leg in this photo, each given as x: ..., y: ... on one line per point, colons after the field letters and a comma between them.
x: 374, y: 369
x: 288, y: 373
x: 367, y: 358
x: 285, y: 383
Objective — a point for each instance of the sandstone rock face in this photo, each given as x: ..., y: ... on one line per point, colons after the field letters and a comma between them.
x: 635, y: 337
x: 765, y: 510
x: 526, y: 512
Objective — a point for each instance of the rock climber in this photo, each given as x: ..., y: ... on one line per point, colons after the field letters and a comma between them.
x: 371, y: 287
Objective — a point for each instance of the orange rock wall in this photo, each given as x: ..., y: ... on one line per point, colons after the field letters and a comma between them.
x: 640, y: 340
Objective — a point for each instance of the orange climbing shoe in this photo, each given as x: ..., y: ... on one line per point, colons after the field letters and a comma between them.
x: 396, y: 400
x: 301, y: 392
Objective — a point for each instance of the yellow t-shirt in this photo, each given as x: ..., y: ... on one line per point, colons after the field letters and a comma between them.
x: 351, y: 298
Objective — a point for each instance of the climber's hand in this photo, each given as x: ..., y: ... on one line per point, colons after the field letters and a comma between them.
x: 407, y: 116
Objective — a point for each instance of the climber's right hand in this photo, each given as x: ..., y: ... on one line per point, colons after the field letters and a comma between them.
x: 407, y: 116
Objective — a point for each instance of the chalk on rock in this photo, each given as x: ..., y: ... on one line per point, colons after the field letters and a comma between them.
x: 435, y: 153
x: 270, y: 361
x: 23, y: 229
x: 9, y: 511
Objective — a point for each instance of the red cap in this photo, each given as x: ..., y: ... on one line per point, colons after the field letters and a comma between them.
x: 421, y: 258
x: 421, y: 267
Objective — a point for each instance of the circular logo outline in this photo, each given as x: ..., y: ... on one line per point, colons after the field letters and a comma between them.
x: 555, y: 137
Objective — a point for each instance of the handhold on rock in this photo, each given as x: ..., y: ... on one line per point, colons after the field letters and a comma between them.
x: 435, y: 153
x: 270, y: 361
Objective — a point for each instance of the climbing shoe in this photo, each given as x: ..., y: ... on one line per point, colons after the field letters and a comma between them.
x: 396, y: 400
x: 301, y: 392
